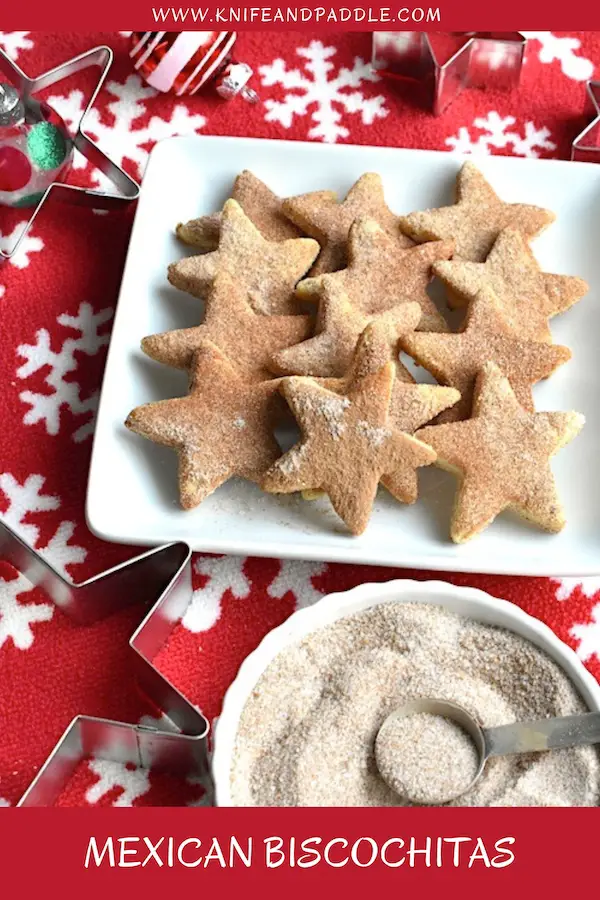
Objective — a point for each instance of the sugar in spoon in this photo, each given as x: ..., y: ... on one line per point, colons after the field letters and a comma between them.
x: 433, y: 751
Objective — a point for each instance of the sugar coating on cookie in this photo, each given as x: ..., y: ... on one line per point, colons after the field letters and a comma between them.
x: 380, y: 274
x: 222, y: 428
x: 338, y: 329
x: 411, y: 405
x: 526, y: 296
x: 348, y: 444
x: 232, y: 324
x: 260, y: 204
x: 502, y: 457
x: 328, y: 220
x: 476, y: 219
x: 455, y: 359
x: 267, y: 270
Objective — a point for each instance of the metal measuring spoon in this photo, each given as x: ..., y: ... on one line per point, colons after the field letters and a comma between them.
x: 519, y: 737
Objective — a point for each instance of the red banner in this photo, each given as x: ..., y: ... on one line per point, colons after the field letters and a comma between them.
x: 490, y: 853
x: 306, y: 15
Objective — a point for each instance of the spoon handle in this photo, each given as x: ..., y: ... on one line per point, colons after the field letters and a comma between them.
x: 544, y: 734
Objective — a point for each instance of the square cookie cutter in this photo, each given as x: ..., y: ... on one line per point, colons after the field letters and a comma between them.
x: 586, y: 146
x: 164, y: 576
x: 126, y: 188
x: 485, y: 58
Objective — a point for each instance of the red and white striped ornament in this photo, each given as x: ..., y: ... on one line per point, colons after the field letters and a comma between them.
x: 183, y: 62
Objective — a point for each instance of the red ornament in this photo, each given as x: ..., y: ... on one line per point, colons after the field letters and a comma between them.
x: 15, y: 169
x: 34, y: 151
x: 182, y: 62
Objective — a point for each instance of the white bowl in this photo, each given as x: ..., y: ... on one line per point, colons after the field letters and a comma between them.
x: 463, y: 600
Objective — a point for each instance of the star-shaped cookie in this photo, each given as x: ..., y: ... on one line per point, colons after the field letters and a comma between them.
x: 339, y: 325
x: 502, y: 457
x: 325, y: 218
x: 231, y: 323
x: 268, y: 271
x: 379, y: 274
x: 348, y: 444
x: 260, y: 204
x: 527, y: 297
x: 455, y: 359
x: 221, y: 429
x: 411, y: 405
x: 476, y: 219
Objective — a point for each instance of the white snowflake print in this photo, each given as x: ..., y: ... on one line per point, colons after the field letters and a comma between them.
x: 588, y: 635
x: 562, y: 49
x: 224, y: 573
x: 25, y: 498
x: 497, y: 135
x: 28, y: 497
x: 491, y: 54
x: 60, y: 552
x: 316, y: 94
x: 16, y: 616
x: 29, y: 244
x: 121, y: 139
x: 134, y: 782
x: 4, y: 802
x: 297, y: 576
x: 2, y: 290
x: 12, y: 42
x: 46, y: 407
x: 566, y: 586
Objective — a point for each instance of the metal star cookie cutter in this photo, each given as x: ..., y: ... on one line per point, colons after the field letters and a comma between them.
x: 126, y: 188
x: 484, y: 58
x: 586, y: 146
x: 165, y: 576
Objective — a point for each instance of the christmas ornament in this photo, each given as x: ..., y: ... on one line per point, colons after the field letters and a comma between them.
x: 34, y: 143
x: 445, y: 64
x: 164, y: 575
x: 35, y: 148
x: 586, y: 146
x: 183, y: 62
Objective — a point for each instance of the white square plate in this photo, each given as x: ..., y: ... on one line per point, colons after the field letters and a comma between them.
x: 132, y: 493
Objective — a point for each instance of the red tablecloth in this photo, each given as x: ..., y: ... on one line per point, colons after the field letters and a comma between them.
x: 56, y: 302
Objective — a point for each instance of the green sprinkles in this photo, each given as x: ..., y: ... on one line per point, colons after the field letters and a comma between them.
x: 47, y: 146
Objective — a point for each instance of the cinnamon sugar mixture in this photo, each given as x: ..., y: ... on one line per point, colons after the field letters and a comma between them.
x: 307, y: 733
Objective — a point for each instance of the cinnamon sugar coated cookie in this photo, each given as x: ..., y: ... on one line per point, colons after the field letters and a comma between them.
x: 379, y: 275
x: 348, y: 444
x: 339, y: 326
x: 321, y: 215
x: 455, y: 359
x: 222, y: 428
x: 267, y: 270
x: 526, y: 296
x: 476, y: 219
x: 411, y: 405
x: 502, y: 458
x: 232, y: 325
x: 260, y: 204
